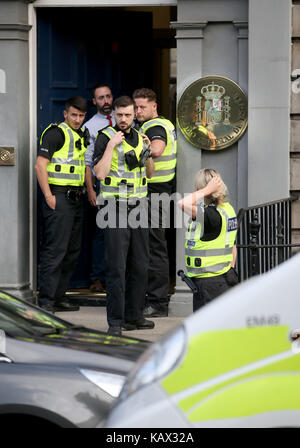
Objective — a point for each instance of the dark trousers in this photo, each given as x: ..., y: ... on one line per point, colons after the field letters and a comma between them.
x: 98, y: 256
x: 126, y: 259
x: 98, y: 249
x: 208, y: 289
x: 61, y: 246
x: 158, y: 274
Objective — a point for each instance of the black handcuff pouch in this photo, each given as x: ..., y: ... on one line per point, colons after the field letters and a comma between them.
x: 131, y: 160
x: 73, y: 195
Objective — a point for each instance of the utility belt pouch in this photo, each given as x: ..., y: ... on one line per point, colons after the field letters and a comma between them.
x: 145, y: 154
x: 73, y: 195
x: 131, y: 160
x: 125, y: 187
x: 231, y: 277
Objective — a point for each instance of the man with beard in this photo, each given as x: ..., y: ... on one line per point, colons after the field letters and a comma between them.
x: 102, y: 99
x: 122, y: 164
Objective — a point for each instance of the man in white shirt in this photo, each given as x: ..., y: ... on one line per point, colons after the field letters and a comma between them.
x: 102, y: 99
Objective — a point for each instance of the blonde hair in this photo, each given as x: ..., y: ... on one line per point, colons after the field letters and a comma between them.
x: 201, y: 180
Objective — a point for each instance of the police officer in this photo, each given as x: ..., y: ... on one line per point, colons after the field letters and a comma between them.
x: 162, y: 135
x: 210, y: 250
x: 102, y: 99
x: 122, y: 165
x: 60, y: 171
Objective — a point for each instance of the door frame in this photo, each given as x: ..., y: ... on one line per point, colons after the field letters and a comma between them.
x: 33, y: 108
x: 103, y: 3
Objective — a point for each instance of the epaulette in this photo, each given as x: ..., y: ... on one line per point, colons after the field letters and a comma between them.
x: 55, y: 124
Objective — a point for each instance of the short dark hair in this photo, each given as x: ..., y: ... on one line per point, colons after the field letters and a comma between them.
x: 78, y: 102
x: 123, y: 101
x: 98, y: 86
x: 149, y: 94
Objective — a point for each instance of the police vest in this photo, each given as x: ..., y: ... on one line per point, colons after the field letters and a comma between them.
x: 120, y: 181
x: 211, y: 258
x: 67, y: 166
x: 165, y: 164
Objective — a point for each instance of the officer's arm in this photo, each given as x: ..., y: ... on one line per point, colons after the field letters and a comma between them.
x: 149, y: 167
x: 158, y: 138
x: 42, y: 175
x: 88, y: 171
x: 188, y: 204
x: 149, y: 162
x: 234, y: 253
x: 157, y: 148
x: 89, y: 185
x: 102, y: 168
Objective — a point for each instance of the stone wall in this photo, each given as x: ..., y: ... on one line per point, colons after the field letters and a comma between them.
x: 14, y: 133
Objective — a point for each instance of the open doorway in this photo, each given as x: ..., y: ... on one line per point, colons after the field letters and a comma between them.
x: 126, y: 48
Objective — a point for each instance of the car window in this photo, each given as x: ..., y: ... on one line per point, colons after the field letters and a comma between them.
x: 17, y: 318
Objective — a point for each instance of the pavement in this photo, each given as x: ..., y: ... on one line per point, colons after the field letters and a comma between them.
x: 95, y: 317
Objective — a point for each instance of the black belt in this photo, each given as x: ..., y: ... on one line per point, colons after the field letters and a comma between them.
x: 64, y: 188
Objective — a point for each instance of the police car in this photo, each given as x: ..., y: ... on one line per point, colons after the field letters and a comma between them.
x: 234, y: 363
x: 56, y: 374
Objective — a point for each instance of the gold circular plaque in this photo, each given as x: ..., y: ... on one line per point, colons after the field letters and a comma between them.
x: 212, y: 113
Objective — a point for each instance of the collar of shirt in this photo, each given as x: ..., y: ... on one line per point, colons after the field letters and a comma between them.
x: 104, y: 117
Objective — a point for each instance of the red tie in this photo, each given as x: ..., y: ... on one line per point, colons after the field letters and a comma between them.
x: 109, y: 119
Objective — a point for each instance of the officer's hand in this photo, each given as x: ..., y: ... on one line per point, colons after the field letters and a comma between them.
x: 118, y: 138
x: 146, y: 140
x: 214, y: 185
x: 92, y: 197
x: 51, y: 201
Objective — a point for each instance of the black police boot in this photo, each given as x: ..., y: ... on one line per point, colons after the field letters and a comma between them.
x: 61, y: 305
x: 49, y: 307
x: 140, y: 324
x: 114, y: 330
x: 150, y: 311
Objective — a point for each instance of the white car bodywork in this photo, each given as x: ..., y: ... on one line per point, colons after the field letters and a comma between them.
x: 239, y: 365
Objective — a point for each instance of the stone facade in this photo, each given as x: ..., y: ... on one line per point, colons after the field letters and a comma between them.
x: 238, y: 39
x: 14, y: 124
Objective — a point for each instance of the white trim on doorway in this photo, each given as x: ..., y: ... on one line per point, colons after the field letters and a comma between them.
x: 102, y: 3
x: 32, y: 20
x: 33, y: 143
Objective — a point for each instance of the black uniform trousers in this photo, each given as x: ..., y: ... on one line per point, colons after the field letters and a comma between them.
x: 210, y: 288
x: 61, y: 246
x: 158, y: 274
x: 127, y: 260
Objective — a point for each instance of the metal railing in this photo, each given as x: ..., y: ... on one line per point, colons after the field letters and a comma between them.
x: 264, y: 237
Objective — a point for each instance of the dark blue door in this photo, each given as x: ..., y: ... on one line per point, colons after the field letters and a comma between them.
x: 77, y: 48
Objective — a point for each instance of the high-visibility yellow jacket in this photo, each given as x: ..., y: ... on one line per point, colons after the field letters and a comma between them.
x: 211, y: 258
x: 164, y: 166
x: 120, y: 181
x: 67, y: 166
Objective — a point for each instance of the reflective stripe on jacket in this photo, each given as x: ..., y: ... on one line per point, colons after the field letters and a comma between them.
x: 67, y: 166
x: 211, y: 258
x: 120, y: 181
